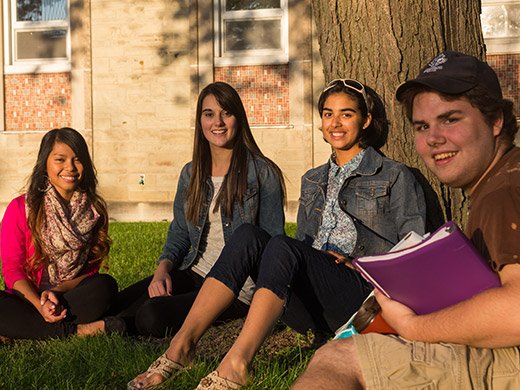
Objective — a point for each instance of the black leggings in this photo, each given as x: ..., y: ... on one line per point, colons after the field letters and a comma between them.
x: 163, y: 316
x: 87, y: 302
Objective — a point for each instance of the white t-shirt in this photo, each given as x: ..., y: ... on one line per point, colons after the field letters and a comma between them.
x: 213, y: 242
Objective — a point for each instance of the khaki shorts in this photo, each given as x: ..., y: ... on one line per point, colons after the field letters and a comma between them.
x: 390, y: 362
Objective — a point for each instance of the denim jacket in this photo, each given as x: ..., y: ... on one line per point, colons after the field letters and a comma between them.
x: 262, y: 206
x: 382, y: 196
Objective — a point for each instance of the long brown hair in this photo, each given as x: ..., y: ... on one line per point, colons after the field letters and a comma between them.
x: 38, y: 182
x: 235, y: 182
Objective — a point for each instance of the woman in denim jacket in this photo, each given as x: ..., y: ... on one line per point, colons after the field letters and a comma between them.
x: 229, y: 182
x: 358, y: 203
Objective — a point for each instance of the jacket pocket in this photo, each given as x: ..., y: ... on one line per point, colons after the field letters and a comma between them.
x: 372, y: 197
x: 249, y: 207
x: 308, y: 201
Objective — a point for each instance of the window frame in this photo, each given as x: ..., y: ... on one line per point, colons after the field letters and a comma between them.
x: 254, y: 56
x: 501, y: 45
x: 38, y: 65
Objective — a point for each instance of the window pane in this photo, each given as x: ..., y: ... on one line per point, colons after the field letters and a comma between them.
x: 40, y: 10
x: 493, y: 21
x: 252, y: 35
x: 237, y: 5
x: 513, y: 12
x: 41, y: 44
x: 501, y: 21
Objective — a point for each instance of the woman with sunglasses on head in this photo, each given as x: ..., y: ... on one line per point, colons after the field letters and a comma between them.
x: 358, y: 203
x: 54, y: 240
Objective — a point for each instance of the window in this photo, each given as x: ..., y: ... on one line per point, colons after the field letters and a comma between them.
x: 250, y: 32
x: 501, y: 26
x: 37, y: 35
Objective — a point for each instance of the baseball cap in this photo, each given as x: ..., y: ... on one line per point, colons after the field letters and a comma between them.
x: 454, y: 73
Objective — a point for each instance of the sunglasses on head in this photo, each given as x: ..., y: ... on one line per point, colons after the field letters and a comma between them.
x: 350, y: 84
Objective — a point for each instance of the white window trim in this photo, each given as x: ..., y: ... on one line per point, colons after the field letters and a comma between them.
x: 501, y: 45
x: 251, y: 57
x: 32, y: 66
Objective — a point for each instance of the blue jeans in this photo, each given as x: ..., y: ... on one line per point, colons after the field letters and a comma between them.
x: 320, y: 295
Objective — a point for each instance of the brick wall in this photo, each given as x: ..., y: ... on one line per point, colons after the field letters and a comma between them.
x: 264, y: 90
x: 37, y: 101
x: 507, y: 67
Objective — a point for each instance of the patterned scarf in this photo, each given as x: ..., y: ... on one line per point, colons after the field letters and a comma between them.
x: 67, y: 234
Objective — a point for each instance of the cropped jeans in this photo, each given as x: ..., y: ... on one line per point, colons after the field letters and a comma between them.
x: 319, y: 294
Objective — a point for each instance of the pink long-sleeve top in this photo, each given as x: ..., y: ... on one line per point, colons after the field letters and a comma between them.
x: 16, y: 245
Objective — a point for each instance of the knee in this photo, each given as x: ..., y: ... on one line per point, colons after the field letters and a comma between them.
x: 106, y: 288
x: 334, y: 351
x: 280, y: 240
x: 150, y: 321
x: 279, y: 247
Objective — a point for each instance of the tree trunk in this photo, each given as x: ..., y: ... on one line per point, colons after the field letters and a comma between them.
x: 386, y: 42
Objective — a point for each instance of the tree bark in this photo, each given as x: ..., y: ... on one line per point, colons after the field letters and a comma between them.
x: 386, y: 42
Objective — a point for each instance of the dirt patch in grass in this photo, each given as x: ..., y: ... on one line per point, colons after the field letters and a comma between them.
x: 218, y: 339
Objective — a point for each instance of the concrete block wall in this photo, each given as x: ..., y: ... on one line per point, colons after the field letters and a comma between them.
x: 141, y: 104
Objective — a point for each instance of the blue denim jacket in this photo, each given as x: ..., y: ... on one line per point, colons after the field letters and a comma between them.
x: 262, y: 206
x: 382, y: 196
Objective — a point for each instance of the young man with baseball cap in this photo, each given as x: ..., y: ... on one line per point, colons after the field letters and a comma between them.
x: 464, y: 131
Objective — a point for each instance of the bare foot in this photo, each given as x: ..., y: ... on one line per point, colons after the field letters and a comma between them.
x: 91, y: 328
x: 146, y: 380
x: 233, y: 369
x: 158, y: 372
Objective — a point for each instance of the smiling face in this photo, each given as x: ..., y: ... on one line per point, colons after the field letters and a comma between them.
x: 218, y: 125
x: 454, y: 139
x: 341, y: 125
x: 64, y: 169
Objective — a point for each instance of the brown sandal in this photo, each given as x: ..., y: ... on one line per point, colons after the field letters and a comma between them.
x: 162, y: 366
x: 215, y: 382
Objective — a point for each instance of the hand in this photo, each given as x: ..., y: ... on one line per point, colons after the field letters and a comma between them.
x: 51, y: 308
x: 400, y: 317
x: 341, y: 259
x: 161, y: 284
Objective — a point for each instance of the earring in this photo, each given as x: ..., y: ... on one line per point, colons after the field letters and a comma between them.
x: 46, y: 184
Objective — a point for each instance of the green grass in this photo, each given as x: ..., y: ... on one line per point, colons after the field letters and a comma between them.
x: 109, y: 362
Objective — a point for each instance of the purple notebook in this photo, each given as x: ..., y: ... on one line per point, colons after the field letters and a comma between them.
x: 443, y: 269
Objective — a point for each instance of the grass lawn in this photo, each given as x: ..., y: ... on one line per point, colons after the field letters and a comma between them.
x: 109, y: 362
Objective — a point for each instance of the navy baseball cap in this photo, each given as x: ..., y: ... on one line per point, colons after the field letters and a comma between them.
x: 454, y: 73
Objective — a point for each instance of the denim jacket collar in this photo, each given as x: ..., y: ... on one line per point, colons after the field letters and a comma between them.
x: 370, y: 164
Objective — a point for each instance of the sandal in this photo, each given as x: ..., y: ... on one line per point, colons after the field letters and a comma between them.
x: 162, y: 366
x: 215, y: 382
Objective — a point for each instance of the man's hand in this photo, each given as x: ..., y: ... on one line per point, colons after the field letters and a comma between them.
x: 51, y: 308
x: 161, y: 284
x: 341, y: 259
x: 397, y: 315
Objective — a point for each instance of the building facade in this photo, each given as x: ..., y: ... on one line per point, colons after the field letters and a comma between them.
x: 127, y: 75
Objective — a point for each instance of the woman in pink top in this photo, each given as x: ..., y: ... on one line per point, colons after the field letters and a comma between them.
x: 53, y: 242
